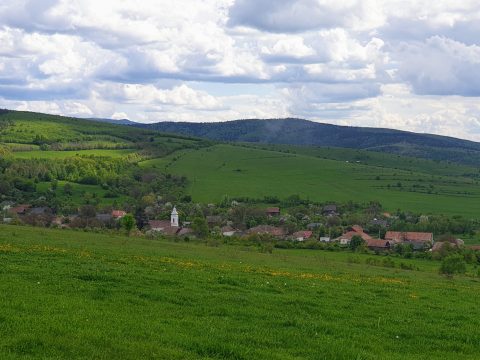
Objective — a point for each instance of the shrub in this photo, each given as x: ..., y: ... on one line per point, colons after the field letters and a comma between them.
x: 453, y: 264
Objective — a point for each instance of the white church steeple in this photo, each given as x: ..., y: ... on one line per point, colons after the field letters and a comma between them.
x: 174, y: 218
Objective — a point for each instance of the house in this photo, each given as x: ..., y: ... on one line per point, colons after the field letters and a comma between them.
x: 229, y: 231
x: 273, y: 211
x: 325, y: 239
x: 378, y: 244
x: 19, y: 209
x: 355, y: 230
x: 158, y: 225
x: 36, y: 211
x: 330, y: 210
x: 267, y: 229
x: 302, y: 235
x: 118, y: 214
x: 419, y: 240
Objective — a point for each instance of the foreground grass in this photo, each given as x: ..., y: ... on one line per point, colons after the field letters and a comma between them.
x: 80, y: 295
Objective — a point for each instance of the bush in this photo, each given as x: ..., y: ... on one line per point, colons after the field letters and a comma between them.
x: 453, y: 264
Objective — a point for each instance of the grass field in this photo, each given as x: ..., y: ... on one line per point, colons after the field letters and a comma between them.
x: 81, y: 295
x: 38, y: 154
x: 238, y: 171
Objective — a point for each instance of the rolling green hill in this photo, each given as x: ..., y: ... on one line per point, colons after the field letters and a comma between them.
x: 249, y: 172
x: 76, y: 295
x: 112, y: 160
x: 303, y: 132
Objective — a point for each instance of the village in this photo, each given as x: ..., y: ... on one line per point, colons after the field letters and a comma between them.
x: 326, y: 226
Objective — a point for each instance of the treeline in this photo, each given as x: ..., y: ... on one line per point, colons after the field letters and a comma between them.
x: 80, y: 169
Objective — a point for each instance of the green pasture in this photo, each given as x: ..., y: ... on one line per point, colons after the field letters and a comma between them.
x: 380, y: 159
x: 78, y: 295
x: 241, y: 171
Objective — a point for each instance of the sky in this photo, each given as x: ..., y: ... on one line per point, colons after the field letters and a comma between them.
x: 404, y: 64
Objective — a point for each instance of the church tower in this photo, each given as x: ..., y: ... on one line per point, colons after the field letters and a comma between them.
x: 174, y: 218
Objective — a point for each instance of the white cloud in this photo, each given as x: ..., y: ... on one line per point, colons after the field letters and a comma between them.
x: 404, y: 64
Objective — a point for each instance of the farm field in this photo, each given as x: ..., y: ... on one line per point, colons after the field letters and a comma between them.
x: 68, y: 294
x: 241, y: 171
x: 38, y: 154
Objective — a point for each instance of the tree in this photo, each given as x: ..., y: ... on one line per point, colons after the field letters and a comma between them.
x: 200, y: 227
x: 453, y: 264
x: 128, y: 223
x: 356, y: 242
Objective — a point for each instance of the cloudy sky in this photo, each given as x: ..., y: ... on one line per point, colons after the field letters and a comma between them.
x: 411, y: 65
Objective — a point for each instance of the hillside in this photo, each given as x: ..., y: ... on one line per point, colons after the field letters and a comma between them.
x: 76, y: 295
x: 239, y: 171
x: 66, y: 162
x: 308, y: 133
x: 107, y: 164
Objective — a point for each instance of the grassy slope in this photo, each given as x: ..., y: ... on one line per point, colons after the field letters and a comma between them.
x: 80, y: 295
x: 239, y: 171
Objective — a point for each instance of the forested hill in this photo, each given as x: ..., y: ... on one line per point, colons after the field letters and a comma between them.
x: 303, y: 132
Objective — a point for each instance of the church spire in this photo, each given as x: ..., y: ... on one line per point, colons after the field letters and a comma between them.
x: 174, y: 217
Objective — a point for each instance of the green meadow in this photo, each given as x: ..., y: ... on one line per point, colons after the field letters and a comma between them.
x: 243, y: 171
x: 77, y: 295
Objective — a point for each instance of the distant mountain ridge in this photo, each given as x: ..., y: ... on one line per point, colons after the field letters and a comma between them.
x: 293, y: 131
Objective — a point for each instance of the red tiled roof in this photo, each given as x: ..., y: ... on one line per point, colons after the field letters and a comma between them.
x: 20, y: 208
x: 118, y: 213
x: 348, y: 235
x: 357, y: 228
x: 159, y: 224
x: 273, y: 210
x: 410, y: 236
x: 303, y: 234
x: 378, y: 243
x: 266, y: 229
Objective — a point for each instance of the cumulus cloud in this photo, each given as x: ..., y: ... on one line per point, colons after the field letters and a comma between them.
x: 393, y: 63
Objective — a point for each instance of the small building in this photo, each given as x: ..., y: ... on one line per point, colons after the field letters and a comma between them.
x: 325, y: 239
x: 267, y: 229
x: 37, y: 211
x: 273, y: 211
x: 330, y: 210
x: 355, y: 230
x: 229, y: 231
x: 313, y: 226
x: 419, y: 240
x: 378, y: 244
x: 118, y: 214
x: 302, y: 235
x: 20, y: 209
